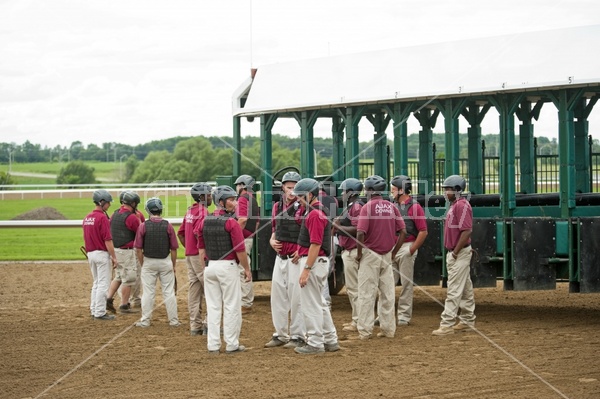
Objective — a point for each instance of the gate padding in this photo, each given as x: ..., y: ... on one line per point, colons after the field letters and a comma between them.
x: 428, y: 270
x: 483, y: 241
x: 533, y: 244
x: 589, y: 259
x: 266, y: 253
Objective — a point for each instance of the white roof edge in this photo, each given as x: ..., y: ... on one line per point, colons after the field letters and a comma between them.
x: 422, y: 97
x: 240, y: 92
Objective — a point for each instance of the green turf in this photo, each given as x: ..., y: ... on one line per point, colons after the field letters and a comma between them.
x: 72, y: 208
x: 61, y: 243
x: 26, y: 180
x: 77, y: 208
x: 40, y: 244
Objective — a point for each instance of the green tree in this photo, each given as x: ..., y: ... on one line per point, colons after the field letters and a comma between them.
x: 283, y: 157
x: 31, y: 152
x: 175, y: 169
x: 251, y: 161
x: 149, y: 170
x: 76, y: 172
x: 76, y: 149
x: 199, y: 157
x: 5, y: 180
x: 93, y: 153
x: 130, y: 165
x: 193, y: 160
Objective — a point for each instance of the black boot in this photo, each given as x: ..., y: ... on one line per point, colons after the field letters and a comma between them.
x: 109, y: 305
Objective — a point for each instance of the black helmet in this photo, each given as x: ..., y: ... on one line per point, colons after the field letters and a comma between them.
x: 291, y: 176
x: 375, y: 183
x: 306, y: 186
x: 199, y: 189
x: 130, y: 198
x: 101, y: 195
x: 221, y: 193
x: 247, y: 180
x: 458, y: 183
x: 353, y: 185
x: 403, y: 183
x: 154, y: 206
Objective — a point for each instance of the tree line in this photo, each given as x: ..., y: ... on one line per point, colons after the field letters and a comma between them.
x: 115, y: 152
x: 200, y: 158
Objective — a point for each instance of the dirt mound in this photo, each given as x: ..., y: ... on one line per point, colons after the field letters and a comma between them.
x: 43, y: 213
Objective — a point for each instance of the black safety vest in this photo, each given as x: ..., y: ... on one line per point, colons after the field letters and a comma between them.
x: 216, y: 239
x: 344, y: 218
x: 304, y: 237
x: 329, y: 204
x: 411, y: 228
x: 156, y: 241
x: 286, y: 227
x: 254, y: 213
x: 121, y: 235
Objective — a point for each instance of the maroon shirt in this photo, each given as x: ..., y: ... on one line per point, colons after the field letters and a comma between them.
x: 458, y: 219
x: 141, y: 233
x: 244, y: 210
x: 380, y: 220
x: 96, y: 231
x: 345, y: 241
x: 316, y: 223
x: 417, y: 214
x: 234, y: 230
x: 287, y: 248
x: 189, y: 226
x: 140, y: 215
x: 132, y: 223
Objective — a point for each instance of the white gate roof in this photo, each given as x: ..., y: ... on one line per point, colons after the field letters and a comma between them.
x: 517, y: 62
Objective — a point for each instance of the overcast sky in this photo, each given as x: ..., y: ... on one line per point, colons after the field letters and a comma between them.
x: 131, y: 71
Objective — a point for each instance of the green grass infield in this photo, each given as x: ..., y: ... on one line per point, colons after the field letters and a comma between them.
x: 62, y: 243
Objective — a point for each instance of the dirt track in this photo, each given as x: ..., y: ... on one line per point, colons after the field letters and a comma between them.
x: 530, y: 345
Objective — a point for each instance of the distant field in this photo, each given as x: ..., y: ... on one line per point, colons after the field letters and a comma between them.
x: 104, y: 170
x: 33, y: 180
x: 54, y: 167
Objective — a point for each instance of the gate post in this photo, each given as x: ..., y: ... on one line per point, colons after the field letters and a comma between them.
x: 474, y: 114
x: 427, y: 119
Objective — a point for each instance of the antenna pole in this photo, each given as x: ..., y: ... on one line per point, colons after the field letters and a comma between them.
x: 251, y: 61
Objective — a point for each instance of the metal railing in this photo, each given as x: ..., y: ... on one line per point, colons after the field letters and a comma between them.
x: 546, y: 172
x: 595, y: 172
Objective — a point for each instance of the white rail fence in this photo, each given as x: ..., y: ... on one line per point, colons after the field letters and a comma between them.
x: 59, y: 223
x: 156, y: 189
x: 45, y: 191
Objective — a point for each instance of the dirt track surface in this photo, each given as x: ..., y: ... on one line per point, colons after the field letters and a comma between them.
x: 543, y: 344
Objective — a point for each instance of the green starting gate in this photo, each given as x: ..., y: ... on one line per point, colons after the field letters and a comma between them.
x: 526, y: 234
